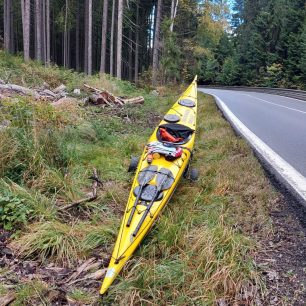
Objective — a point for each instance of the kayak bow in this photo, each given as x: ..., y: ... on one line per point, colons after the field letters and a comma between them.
x: 156, y: 178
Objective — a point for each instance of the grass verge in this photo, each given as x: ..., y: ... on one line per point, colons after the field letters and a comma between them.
x: 200, y: 250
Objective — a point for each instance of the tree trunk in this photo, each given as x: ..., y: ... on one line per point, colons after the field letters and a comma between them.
x: 111, y: 60
x: 38, y: 30
x: 137, y: 45
x: 130, y: 51
x: 77, y: 38
x: 89, y: 47
x: 53, y: 32
x: 156, y: 43
x: 43, y: 30
x: 12, y: 32
x: 174, y: 5
x: 25, y: 9
x: 86, y: 38
x: 104, y: 31
x: 119, y: 39
x: 48, y: 44
x: 7, y: 25
x: 66, y: 36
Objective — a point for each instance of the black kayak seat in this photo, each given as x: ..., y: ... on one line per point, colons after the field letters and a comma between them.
x: 176, y: 130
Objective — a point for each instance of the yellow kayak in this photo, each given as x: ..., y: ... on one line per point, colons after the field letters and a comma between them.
x: 163, y: 162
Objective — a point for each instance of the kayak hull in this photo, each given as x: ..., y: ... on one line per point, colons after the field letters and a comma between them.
x: 127, y: 242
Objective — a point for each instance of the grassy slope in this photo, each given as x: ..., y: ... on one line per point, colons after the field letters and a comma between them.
x: 200, y: 250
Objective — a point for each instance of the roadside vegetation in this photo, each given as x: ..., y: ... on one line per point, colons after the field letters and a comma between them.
x: 201, y: 249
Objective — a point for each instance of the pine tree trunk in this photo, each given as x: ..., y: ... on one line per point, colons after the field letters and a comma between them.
x: 77, y: 38
x: 7, y: 25
x: 119, y: 39
x: 12, y: 32
x: 111, y: 60
x: 38, y: 30
x: 48, y: 44
x: 86, y: 38
x: 104, y: 31
x: 89, y: 47
x: 137, y: 45
x: 174, y: 5
x: 25, y: 9
x: 66, y: 36
x: 130, y: 55
x: 156, y: 43
x: 68, y: 49
x: 43, y: 30
x: 53, y: 32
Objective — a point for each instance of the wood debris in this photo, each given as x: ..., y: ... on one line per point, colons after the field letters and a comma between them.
x: 6, y: 90
x: 96, y: 96
x: 106, y: 98
x: 96, y: 182
x: 7, y: 299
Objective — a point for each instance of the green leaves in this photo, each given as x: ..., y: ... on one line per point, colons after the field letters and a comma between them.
x: 13, y: 211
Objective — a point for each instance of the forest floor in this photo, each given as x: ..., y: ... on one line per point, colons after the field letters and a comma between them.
x: 229, y: 239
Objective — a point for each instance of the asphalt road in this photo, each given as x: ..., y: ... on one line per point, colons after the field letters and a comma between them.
x: 279, y: 122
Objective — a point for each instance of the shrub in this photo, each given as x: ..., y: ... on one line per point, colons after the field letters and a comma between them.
x: 13, y: 211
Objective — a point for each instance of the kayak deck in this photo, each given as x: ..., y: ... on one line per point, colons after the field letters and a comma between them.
x: 155, y: 180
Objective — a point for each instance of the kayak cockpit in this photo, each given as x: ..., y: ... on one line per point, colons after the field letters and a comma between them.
x: 174, y: 134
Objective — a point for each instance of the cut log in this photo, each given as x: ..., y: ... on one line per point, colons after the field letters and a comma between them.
x: 60, y: 89
x: 92, y: 88
x: 20, y: 89
x: 106, y: 95
x: 102, y: 97
x: 47, y: 92
x: 136, y: 100
x: 98, y: 99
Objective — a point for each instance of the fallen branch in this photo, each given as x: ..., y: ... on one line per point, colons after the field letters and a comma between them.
x: 92, y: 276
x: 83, y: 267
x: 7, y: 299
x: 95, y: 184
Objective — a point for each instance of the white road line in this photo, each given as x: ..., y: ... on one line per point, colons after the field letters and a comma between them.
x: 294, y: 178
x: 271, y: 94
x: 294, y: 109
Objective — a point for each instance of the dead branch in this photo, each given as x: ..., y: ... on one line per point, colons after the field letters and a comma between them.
x: 7, y: 299
x: 92, y: 276
x: 83, y: 267
x: 95, y: 183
